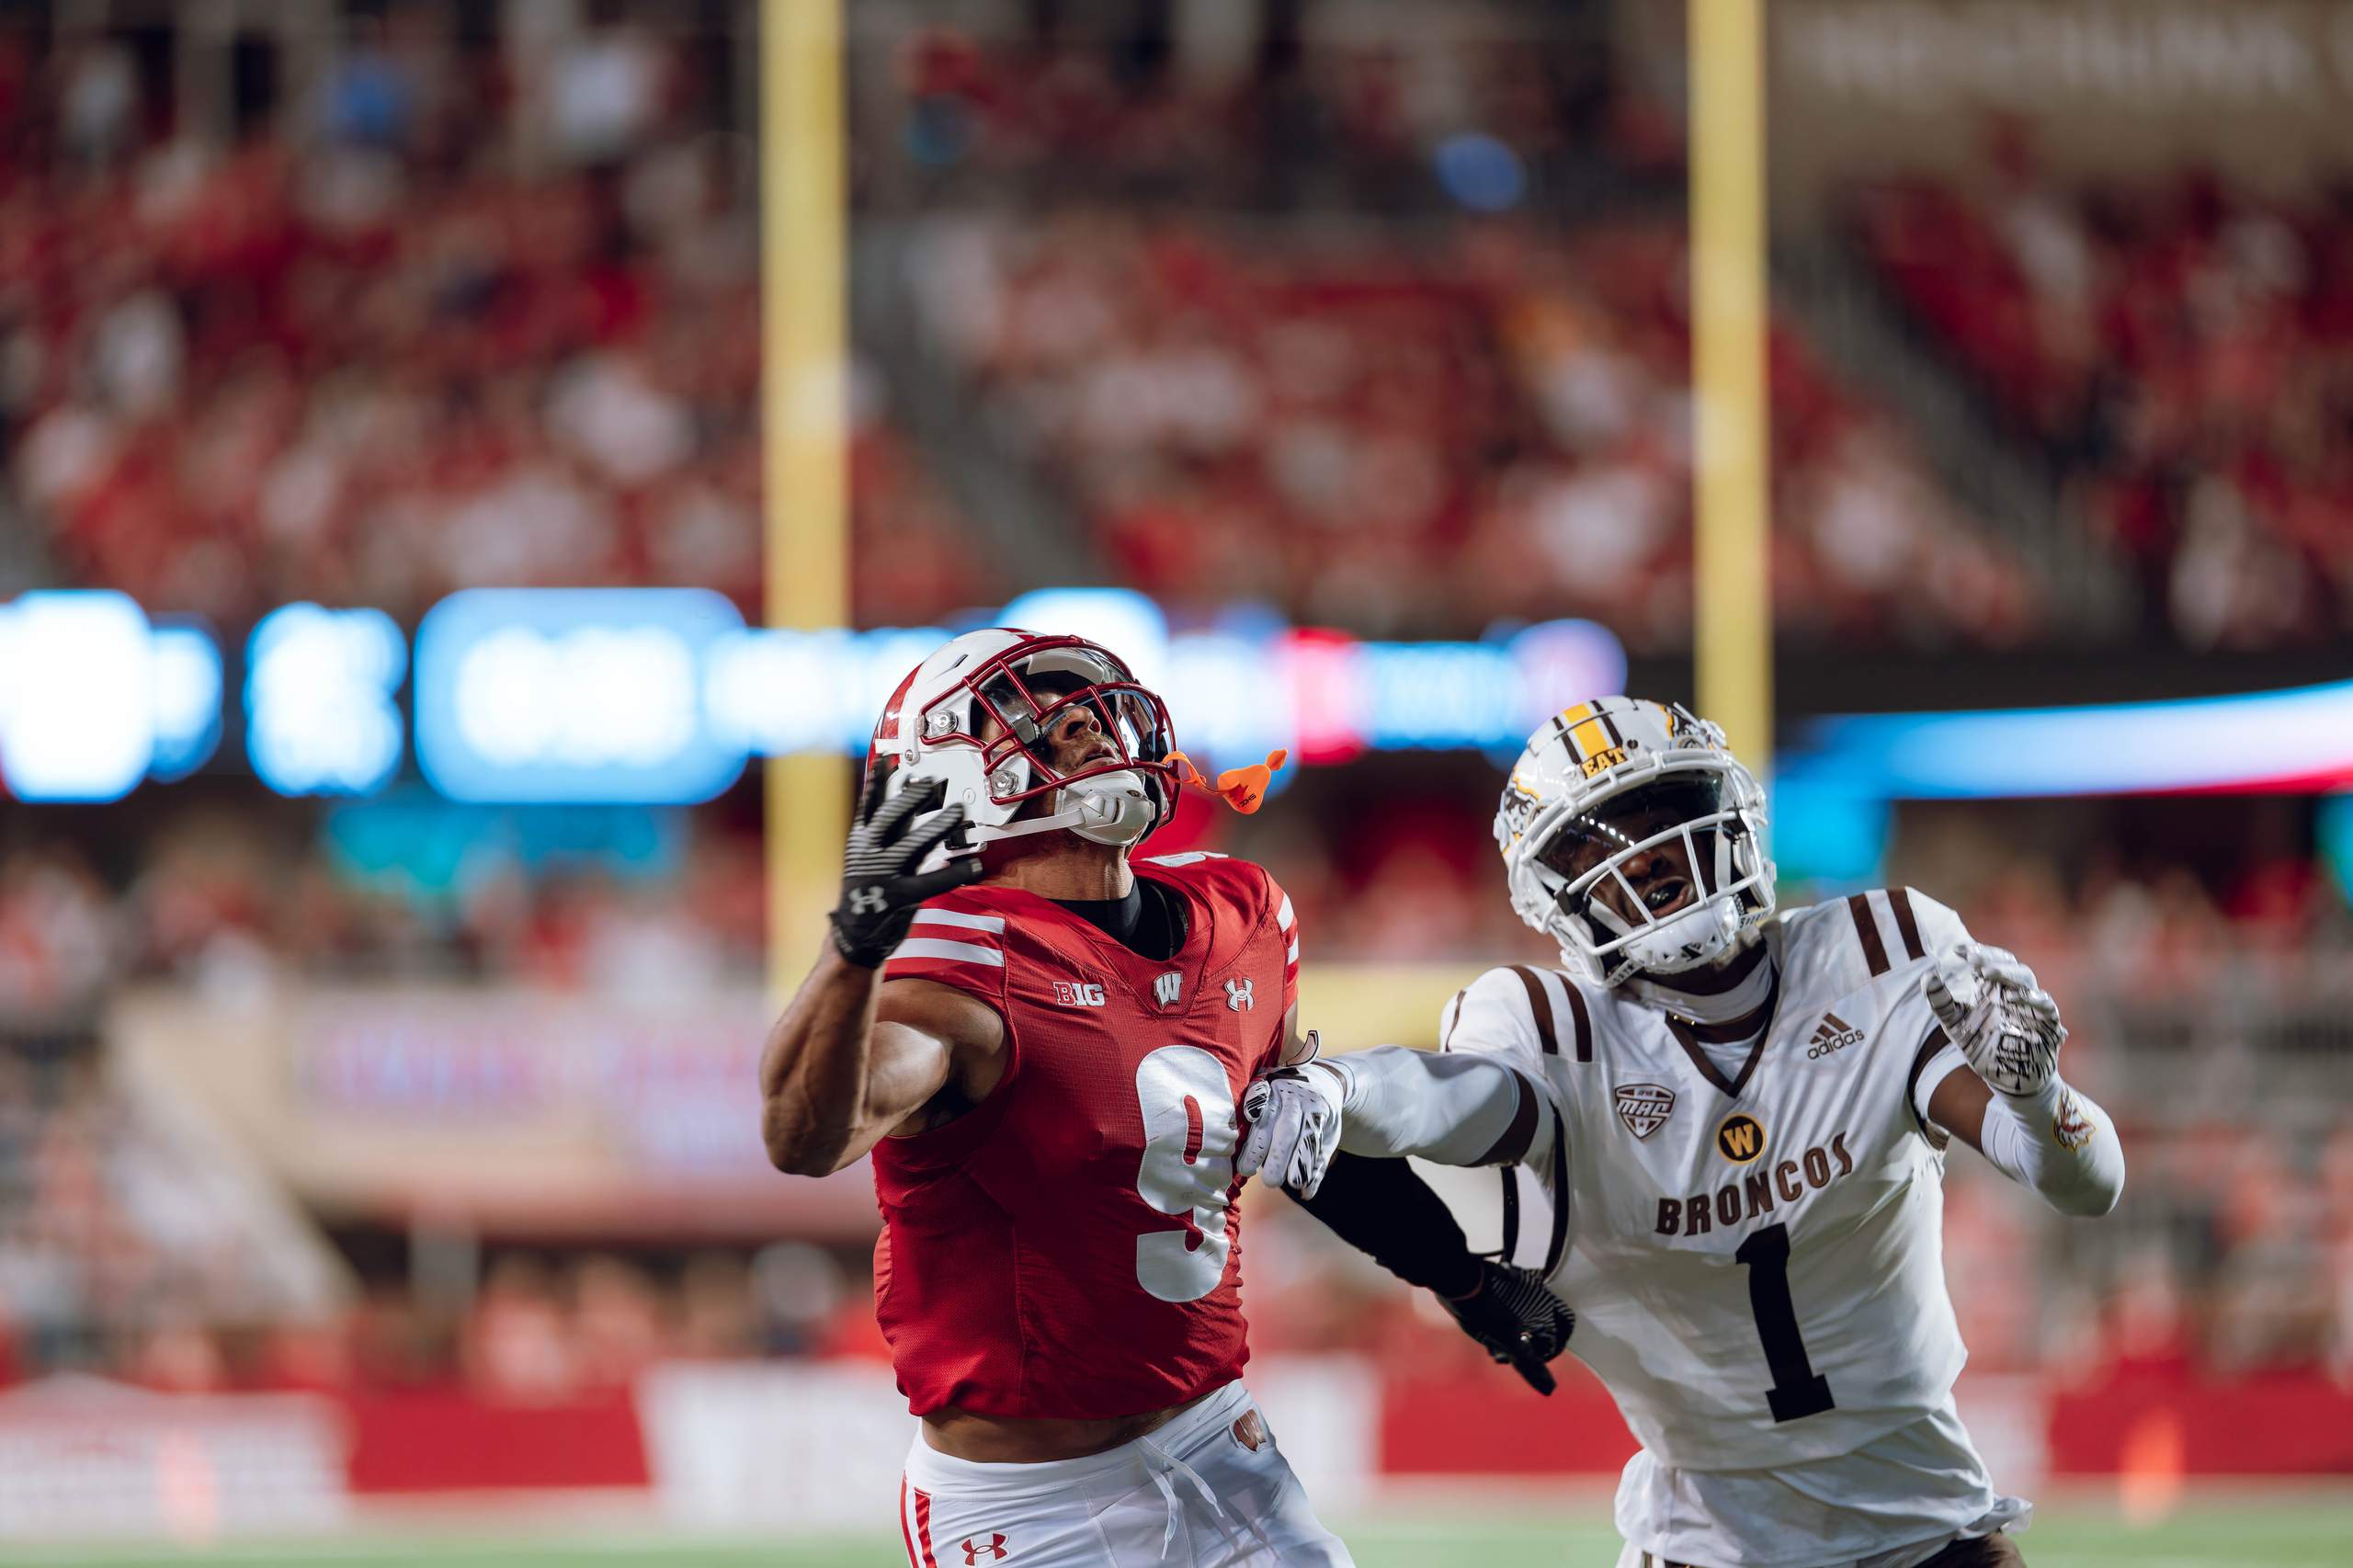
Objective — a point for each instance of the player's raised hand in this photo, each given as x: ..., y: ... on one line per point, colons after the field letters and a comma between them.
x: 1517, y: 1318
x: 882, y: 884
x: 2006, y: 1025
x: 1294, y: 1116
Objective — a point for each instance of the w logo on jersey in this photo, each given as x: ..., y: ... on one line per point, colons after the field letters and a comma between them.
x: 973, y: 1547
x: 1167, y: 988
x: 1740, y: 1138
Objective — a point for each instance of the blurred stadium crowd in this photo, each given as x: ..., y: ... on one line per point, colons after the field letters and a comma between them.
x: 371, y: 354
x: 2182, y: 352
x: 477, y: 307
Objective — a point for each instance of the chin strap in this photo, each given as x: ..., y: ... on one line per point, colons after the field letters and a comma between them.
x: 1027, y: 826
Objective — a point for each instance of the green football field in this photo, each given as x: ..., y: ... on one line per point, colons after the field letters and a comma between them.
x: 2303, y: 1529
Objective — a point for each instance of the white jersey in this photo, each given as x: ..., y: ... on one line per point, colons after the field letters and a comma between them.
x: 1753, y: 1248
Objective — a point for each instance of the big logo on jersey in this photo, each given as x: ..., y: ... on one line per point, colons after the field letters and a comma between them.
x: 1741, y: 1137
x: 1645, y: 1107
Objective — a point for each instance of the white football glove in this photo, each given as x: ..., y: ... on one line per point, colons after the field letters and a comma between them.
x: 1294, y: 1124
x: 2005, y: 1024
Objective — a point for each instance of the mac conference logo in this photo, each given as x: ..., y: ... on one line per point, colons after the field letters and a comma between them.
x: 1645, y: 1107
x: 1741, y: 1137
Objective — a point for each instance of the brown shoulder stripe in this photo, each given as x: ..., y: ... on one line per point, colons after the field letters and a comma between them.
x: 1584, y: 1021
x: 1454, y: 1022
x: 1906, y: 925
x: 1867, y: 928
x: 1541, y: 1004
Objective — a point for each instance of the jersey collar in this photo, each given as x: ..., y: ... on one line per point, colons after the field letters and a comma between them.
x: 1760, y: 1021
x: 1726, y: 1007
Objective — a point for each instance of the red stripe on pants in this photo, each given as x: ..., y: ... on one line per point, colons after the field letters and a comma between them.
x: 904, y: 1533
x: 922, y: 1527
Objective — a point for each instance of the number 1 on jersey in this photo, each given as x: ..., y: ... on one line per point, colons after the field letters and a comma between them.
x: 1798, y: 1389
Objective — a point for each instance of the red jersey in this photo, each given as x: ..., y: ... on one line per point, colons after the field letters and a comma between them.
x: 1069, y: 1247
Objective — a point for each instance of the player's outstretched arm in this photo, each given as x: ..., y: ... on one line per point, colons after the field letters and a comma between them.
x: 1385, y: 1102
x: 1467, y: 1109
x: 853, y: 1058
x: 1998, y: 1086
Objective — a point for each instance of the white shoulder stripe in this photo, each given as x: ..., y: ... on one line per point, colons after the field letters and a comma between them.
x: 932, y: 947
x: 1292, y: 956
x: 1282, y: 915
x: 958, y: 917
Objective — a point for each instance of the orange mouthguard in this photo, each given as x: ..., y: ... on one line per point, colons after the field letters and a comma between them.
x: 1244, y: 788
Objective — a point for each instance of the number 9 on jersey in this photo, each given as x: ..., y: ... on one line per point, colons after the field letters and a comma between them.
x: 1189, y: 1131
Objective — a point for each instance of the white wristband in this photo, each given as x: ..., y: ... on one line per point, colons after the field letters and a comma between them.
x: 2059, y: 1142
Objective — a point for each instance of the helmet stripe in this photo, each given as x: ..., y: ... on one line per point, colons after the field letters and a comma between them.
x: 1564, y: 719
x: 1592, y: 737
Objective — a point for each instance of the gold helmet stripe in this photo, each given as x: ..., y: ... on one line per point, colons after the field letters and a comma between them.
x: 1590, y: 731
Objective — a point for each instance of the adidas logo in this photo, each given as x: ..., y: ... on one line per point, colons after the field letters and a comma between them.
x: 1833, y: 1033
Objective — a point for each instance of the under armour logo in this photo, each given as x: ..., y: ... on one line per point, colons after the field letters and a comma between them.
x: 993, y: 1546
x: 1166, y: 989
x: 1238, y: 995
x: 867, y: 901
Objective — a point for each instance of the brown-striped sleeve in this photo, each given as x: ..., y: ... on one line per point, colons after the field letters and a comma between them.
x: 1920, y: 1060
x: 1512, y: 1146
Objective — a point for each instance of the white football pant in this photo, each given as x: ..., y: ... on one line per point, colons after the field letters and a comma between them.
x: 1208, y: 1490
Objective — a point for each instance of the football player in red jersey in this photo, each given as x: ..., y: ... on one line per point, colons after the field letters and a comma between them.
x: 1042, y: 1046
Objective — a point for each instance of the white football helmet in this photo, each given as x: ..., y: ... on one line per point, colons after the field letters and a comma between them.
x: 1607, y: 781
x: 973, y: 712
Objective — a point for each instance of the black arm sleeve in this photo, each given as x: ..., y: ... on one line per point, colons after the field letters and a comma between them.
x: 1380, y: 1207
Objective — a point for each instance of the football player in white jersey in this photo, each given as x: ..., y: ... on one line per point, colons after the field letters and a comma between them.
x: 1737, y: 1121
